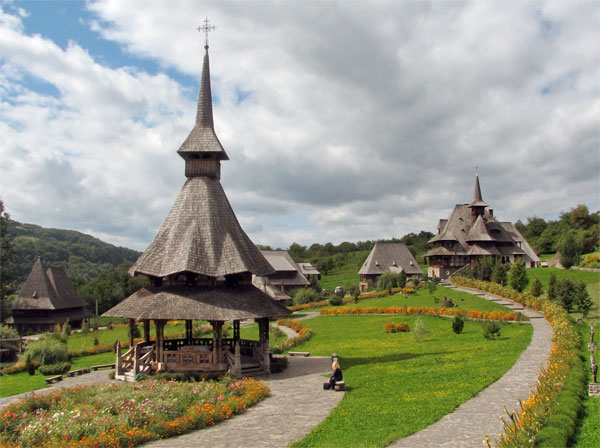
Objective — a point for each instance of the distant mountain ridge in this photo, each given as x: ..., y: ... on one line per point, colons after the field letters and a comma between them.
x: 83, y: 256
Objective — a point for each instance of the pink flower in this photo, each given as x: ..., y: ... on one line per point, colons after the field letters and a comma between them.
x: 220, y: 397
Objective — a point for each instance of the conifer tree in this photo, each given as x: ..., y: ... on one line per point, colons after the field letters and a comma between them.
x: 536, y: 287
x: 518, y: 276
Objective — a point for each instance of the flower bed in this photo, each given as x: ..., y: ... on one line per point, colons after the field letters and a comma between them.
x: 544, y: 407
x: 395, y: 327
x: 471, y: 314
x: 124, y: 414
x: 304, y: 334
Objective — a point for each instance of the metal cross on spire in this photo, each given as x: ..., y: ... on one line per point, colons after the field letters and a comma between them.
x: 206, y: 28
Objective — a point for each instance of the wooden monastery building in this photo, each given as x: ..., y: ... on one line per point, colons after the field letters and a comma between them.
x: 200, y: 267
x: 47, y: 299
x: 384, y: 257
x: 286, y: 278
x: 471, y: 233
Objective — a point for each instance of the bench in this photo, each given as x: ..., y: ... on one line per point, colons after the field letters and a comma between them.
x: 77, y: 372
x: 340, y: 385
x: 53, y: 379
x: 103, y: 366
x: 305, y: 354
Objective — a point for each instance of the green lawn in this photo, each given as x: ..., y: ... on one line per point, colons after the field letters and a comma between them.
x: 588, y: 434
x: 397, y: 386
x: 347, y: 274
x: 422, y: 298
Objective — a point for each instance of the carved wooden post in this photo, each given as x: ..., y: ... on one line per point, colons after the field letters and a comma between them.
x: 118, y: 368
x: 188, y: 332
x: 147, y: 330
x: 136, y: 359
x: 263, y: 329
x: 237, y: 365
x: 131, y: 330
x: 159, y: 326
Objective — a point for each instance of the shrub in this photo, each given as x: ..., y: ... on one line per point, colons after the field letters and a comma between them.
x: 47, y: 350
x: 55, y: 369
x: 570, y: 250
x: 85, y: 327
x: 491, y: 329
x: 420, y: 330
x: 518, y: 276
x: 396, y: 327
x: 336, y: 300
x: 389, y: 280
x: 304, y: 296
x: 581, y: 298
x: 499, y: 271
x: 536, y: 287
x: 7, y: 332
x: 457, y: 324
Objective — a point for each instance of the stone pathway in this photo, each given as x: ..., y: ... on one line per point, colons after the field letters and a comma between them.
x: 472, y: 421
x: 297, y: 404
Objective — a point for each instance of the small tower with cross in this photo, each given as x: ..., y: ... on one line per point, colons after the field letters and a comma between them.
x: 202, y: 150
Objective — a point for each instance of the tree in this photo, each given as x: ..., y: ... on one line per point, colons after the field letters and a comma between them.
x: 565, y: 292
x: 324, y: 264
x: 536, y: 287
x: 7, y: 287
x: 389, y: 280
x: 570, y: 250
x: 499, y: 272
x: 305, y: 295
x: 581, y: 297
x: 518, y: 276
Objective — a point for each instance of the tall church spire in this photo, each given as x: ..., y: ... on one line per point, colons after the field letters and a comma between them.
x: 478, y: 205
x: 202, y: 150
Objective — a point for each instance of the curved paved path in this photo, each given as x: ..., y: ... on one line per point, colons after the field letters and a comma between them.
x: 297, y: 404
x: 471, y: 422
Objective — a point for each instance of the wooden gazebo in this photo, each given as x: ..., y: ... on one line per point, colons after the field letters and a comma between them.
x: 200, y: 267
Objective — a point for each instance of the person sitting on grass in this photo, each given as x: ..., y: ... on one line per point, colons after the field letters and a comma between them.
x: 337, y: 375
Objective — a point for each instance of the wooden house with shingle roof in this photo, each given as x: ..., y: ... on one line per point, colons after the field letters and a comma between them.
x: 286, y: 278
x: 200, y: 267
x: 470, y: 233
x: 393, y: 257
x: 47, y: 299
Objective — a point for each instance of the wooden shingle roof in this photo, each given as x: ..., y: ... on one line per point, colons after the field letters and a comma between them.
x: 390, y: 257
x: 201, y: 235
x: 209, y: 303
x: 203, y: 138
x: 47, y: 290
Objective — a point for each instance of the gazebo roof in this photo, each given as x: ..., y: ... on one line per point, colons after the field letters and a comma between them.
x: 222, y: 303
x: 201, y: 235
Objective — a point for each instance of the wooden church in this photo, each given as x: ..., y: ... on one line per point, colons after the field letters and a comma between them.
x: 47, y: 300
x: 471, y: 233
x: 200, y: 267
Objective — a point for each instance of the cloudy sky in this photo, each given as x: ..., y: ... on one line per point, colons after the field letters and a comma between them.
x: 343, y: 121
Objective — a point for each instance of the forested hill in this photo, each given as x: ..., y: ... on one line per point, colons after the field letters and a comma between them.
x: 83, y: 256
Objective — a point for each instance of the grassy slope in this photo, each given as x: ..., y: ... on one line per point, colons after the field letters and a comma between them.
x: 422, y: 298
x: 347, y: 274
x: 588, y: 433
x: 397, y: 386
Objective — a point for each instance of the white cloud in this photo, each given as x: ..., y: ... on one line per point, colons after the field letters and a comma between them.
x: 365, y: 119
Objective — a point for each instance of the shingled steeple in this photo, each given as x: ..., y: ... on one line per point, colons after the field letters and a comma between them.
x: 478, y: 205
x: 202, y: 150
